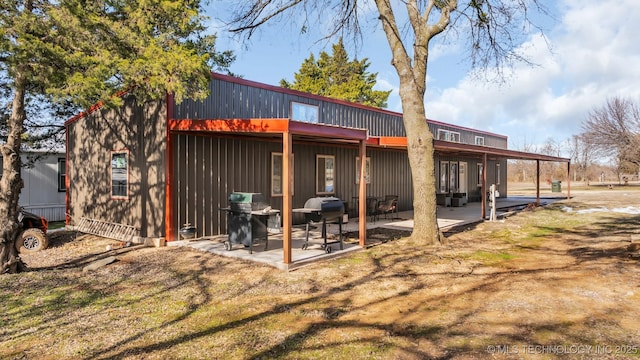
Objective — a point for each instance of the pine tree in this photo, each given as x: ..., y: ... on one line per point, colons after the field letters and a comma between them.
x: 82, y: 52
x: 337, y: 77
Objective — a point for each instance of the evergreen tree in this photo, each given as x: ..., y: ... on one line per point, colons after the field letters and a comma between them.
x: 81, y: 52
x: 336, y: 77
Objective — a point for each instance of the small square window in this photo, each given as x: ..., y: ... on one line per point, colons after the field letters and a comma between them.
x: 480, y: 140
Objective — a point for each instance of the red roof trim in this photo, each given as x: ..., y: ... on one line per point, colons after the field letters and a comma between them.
x: 230, y: 125
x: 95, y: 107
x: 267, y: 126
x: 447, y: 146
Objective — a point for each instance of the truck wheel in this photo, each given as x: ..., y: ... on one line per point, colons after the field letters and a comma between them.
x: 32, y: 240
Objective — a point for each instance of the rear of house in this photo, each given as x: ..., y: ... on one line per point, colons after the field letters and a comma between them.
x: 159, y: 165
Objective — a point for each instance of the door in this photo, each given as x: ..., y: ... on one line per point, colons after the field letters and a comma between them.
x: 463, y: 177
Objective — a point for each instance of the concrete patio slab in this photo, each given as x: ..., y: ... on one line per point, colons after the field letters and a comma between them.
x: 448, y: 217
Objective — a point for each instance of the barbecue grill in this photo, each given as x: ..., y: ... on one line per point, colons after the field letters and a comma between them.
x: 247, y: 217
x: 323, y: 209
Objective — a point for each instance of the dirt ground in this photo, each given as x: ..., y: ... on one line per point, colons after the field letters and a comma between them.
x: 556, y: 282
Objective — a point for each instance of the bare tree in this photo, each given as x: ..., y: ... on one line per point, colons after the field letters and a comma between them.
x: 582, y: 155
x: 614, y: 130
x: 493, y: 29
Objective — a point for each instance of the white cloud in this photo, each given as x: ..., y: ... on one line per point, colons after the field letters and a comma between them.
x: 593, y: 57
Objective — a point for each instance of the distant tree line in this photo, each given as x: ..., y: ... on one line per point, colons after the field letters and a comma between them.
x: 607, y: 149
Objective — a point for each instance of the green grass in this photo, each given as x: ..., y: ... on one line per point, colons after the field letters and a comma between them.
x: 394, y: 300
x: 491, y: 258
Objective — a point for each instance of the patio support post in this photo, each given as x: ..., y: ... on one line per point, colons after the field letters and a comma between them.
x: 538, y: 182
x: 569, y: 180
x: 286, y: 196
x: 483, y: 189
x: 362, y: 196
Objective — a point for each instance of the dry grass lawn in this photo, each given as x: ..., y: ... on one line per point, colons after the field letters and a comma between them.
x: 541, y: 284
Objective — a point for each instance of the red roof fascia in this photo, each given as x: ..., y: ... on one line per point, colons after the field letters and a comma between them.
x: 267, y: 126
x: 393, y: 141
x: 230, y: 125
x: 92, y: 108
x: 330, y: 131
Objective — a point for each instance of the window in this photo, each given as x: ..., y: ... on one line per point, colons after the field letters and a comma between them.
x: 304, y: 112
x: 62, y: 175
x: 444, y: 176
x: 276, y: 174
x: 480, y: 170
x: 453, y: 177
x: 325, y: 167
x: 498, y: 174
x: 480, y: 140
x: 454, y: 136
x: 447, y: 135
x: 367, y: 170
x: 120, y: 174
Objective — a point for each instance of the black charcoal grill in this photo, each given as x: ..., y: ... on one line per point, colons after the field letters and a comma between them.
x: 323, y: 209
x: 247, y: 218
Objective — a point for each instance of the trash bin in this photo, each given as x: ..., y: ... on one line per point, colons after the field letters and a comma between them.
x: 556, y: 186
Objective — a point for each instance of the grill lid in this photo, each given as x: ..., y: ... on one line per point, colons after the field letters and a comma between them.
x: 316, y: 202
x: 243, y: 201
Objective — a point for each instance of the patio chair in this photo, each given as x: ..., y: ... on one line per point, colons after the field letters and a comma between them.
x: 388, y: 206
x: 372, y: 208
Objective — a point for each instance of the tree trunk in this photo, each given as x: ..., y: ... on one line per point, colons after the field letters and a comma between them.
x: 11, y: 182
x: 421, y: 159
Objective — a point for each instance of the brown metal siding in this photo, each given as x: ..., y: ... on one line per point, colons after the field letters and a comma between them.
x: 229, y: 100
x: 208, y: 168
x: 140, y: 130
x: 469, y: 136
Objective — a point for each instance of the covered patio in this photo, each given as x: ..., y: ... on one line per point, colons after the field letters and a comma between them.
x: 448, y: 218
x: 284, y: 249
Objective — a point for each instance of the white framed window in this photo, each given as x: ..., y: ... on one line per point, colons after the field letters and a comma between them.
x: 480, y: 170
x: 447, y: 135
x: 305, y: 112
x: 325, y: 174
x: 444, y: 176
x: 443, y: 134
x: 453, y: 177
x: 120, y: 174
x: 480, y: 140
x: 367, y: 170
x: 277, y: 179
x: 62, y: 175
x: 498, y: 174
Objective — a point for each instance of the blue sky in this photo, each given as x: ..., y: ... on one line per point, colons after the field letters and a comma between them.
x: 590, y: 54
